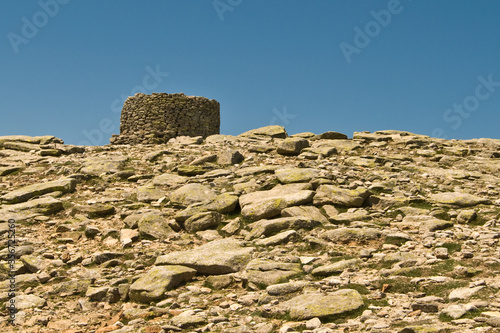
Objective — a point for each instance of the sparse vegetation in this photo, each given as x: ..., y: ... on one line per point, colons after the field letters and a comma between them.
x: 396, y: 254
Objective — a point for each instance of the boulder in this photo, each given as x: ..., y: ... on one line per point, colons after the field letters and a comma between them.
x: 24, y: 302
x: 188, y: 320
x: 256, y: 170
x: 96, y: 294
x: 459, y: 199
x: 273, y: 131
x: 230, y: 157
x: 4, y: 171
x: 72, y: 287
x: 22, y: 281
x: 309, y: 212
x: 265, y: 204
x: 154, y: 155
x: 99, y: 165
x: 202, y: 221
x: 310, y: 305
x: 154, y: 226
x: 296, y: 175
x: 102, y: 257
x: 423, y: 223
x: 204, y: 159
x: 21, y: 251
x: 192, y: 170
x: 270, y: 227
x: 359, y: 215
x: 64, y: 185
x: 148, y: 193
x: 354, y: 235
x: 33, y: 263
x: 312, y: 153
x: 185, y: 140
x: 96, y: 211
x: 192, y: 193
x: 335, y: 268
x: 285, y: 288
x: 292, y: 146
x: 463, y: 293
x: 466, y: 216
x: 217, y: 257
x: 169, y: 179
x: 281, y: 238
x: 128, y: 236
x: 35, y: 207
x: 20, y: 146
x: 265, y: 272
x: 401, y: 257
x: 153, y: 284
x: 327, y: 194
x: 456, y: 311
x: 223, y: 203
x: 331, y: 136
x: 44, y: 139
x: 337, y: 144
x: 493, y: 321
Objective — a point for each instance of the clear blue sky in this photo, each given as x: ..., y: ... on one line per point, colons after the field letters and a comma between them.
x: 426, y: 66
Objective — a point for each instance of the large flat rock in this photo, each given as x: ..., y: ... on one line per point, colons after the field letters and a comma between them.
x: 24, y: 302
x: 169, y: 179
x: 270, y: 227
x: 4, y: 171
x: 458, y: 199
x: 273, y: 131
x: 153, y: 284
x: 309, y: 212
x: 24, y: 210
x: 23, y: 194
x: 265, y: 204
x: 99, y: 165
x: 312, y: 305
x: 352, y: 235
x: 341, y: 145
x: 265, y: 272
x: 216, y: 257
x: 223, y: 203
x: 45, y: 139
x: 20, y: 146
x: 463, y: 293
x: 296, y: 175
x: 335, y: 268
x: 256, y: 170
x: 149, y: 192
x: 326, y: 194
x: 191, y: 194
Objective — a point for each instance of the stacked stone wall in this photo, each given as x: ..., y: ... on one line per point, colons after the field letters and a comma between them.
x: 156, y: 118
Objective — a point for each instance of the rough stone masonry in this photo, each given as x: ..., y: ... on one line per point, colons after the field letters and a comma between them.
x: 156, y: 118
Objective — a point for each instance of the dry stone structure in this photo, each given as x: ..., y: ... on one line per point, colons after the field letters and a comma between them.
x: 156, y: 118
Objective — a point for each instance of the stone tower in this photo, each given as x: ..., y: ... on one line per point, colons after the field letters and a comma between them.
x: 155, y: 118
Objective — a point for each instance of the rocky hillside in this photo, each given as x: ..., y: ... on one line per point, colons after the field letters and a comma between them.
x: 262, y: 232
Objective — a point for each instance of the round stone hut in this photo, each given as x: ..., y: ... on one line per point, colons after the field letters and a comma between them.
x: 156, y: 118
